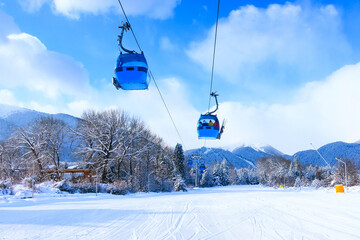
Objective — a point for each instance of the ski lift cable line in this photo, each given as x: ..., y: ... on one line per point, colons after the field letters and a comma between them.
x: 214, y: 51
x: 320, y: 155
x: 152, y: 76
x: 127, y: 20
x: 167, y: 109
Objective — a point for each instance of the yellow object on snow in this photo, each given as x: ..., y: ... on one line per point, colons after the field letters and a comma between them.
x: 281, y: 186
x: 339, y: 188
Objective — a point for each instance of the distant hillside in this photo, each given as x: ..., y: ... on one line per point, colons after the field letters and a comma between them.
x: 249, y: 153
x: 245, y: 156
x: 12, y: 118
x: 211, y: 155
x: 330, y: 152
x: 241, y: 157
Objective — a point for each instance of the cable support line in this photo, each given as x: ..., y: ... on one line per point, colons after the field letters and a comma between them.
x: 127, y: 20
x: 152, y: 76
x: 168, y: 111
x: 214, y: 51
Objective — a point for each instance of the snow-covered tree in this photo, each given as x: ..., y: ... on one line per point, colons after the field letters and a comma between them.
x: 179, y: 183
x: 179, y: 160
x: 272, y: 170
x: 55, y: 133
x: 351, y: 175
x: 39, y: 144
x: 207, y: 178
x: 101, y: 136
x: 221, y: 174
x: 123, y: 149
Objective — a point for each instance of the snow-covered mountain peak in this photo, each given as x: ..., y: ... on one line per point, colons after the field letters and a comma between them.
x: 7, y: 110
x: 270, y: 150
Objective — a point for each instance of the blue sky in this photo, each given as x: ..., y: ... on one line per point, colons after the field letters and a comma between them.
x: 287, y: 71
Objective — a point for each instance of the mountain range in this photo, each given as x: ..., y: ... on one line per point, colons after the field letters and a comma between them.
x: 246, y: 156
x: 12, y: 118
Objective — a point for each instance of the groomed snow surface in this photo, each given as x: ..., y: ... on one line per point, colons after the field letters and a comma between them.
x: 234, y: 212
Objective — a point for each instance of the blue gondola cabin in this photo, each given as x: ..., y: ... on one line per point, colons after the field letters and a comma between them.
x: 131, y: 72
x: 208, y: 127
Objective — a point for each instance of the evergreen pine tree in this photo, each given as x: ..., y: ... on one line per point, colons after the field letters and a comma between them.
x: 207, y: 179
x: 295, y: 172
x: 179, y: 184
x: 217, y: 174
x: 179, y: 160
x: 224, y: 177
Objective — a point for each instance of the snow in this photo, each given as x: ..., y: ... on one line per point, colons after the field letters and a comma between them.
x: 7, y: 110
x: 234, y: 212
x: 207, y: 151
x: 248, y: 162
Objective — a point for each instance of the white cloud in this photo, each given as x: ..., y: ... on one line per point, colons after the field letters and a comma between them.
x: 320, y: 112
x: 281, y: 43
x: 42, y: 107
x: 7, y: 97
x: 7, y: 26
x: 76, y: 108
x: 32, y: 5
x: 166, y: 44
x: 159, y: 9
x: 25, y: 62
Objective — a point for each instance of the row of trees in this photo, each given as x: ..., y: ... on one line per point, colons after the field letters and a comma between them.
x: 123, y: 153
x: 120, y: 149
x: 276, y: 171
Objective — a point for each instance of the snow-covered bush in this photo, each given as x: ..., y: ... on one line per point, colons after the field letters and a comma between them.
x: 27, y: 182
x: 47, y: 187
x: 316, y: 183
x: 5, y: 188
x: 24, y: 194
x: 179, y: 184
x: 85, y: 187
x: 65, y: 186
x: 160, y: 185
x: 81, y: 187
x: 117, y: 187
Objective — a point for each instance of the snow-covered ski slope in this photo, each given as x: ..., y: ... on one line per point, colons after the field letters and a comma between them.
x: 236, y: 212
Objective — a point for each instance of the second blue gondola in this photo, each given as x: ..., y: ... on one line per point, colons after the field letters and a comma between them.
x: 190, y: 162
x: 208, y: 127
x: 208, y: 124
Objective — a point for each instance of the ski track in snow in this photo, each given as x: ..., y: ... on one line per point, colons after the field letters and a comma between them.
x: 234, y: 212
